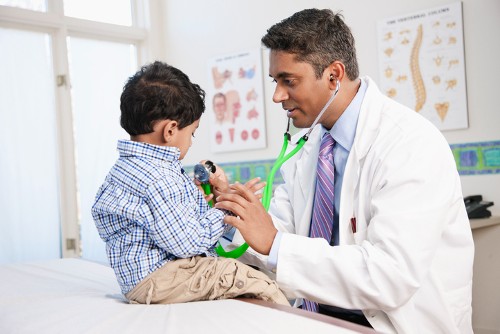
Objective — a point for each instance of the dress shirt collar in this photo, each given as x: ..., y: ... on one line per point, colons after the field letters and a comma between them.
x: 344, y: 130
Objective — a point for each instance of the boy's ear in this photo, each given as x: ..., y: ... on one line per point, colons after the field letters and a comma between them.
x: 169, y: 130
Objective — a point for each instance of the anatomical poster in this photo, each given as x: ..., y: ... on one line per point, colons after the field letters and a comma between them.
x: 422, y: 64
x: 235, y: 102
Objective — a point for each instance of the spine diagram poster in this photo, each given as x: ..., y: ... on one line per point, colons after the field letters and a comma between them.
x: 235, y: 102
x: 421, y: 64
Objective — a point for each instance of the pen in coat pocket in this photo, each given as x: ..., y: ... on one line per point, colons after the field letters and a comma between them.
x: 353, y: 224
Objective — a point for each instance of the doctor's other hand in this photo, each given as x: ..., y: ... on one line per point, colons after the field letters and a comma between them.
x: 253, y: 221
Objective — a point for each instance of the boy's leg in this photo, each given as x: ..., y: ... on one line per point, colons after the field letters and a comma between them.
x: 205, y: 278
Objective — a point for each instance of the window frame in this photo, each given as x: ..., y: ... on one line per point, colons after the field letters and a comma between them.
x: 60, y: 27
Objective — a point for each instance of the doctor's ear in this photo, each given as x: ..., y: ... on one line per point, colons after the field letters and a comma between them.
x: 336, y: 71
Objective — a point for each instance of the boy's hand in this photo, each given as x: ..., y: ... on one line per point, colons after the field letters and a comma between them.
x: 220, y: 184
x: 217, y: 180
x: 255, y: 185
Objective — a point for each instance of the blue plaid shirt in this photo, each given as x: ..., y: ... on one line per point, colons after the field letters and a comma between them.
x: 149, y: 212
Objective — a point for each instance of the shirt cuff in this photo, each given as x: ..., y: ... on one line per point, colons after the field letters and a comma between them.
x: 272, y: 260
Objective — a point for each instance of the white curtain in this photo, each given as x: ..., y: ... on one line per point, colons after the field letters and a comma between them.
x: 29, y: 203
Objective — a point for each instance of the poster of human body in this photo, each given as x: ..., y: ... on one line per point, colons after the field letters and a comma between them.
x: 422, y: 64
x: 235, y: 102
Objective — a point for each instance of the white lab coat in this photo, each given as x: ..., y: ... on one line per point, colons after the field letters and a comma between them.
x: 409, y: 265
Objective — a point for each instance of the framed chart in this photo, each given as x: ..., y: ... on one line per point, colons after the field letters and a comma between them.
x: 235, y: 102
x: 422, y: 64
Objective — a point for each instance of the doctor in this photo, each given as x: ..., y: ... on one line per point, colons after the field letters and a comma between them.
x: 398, y: 252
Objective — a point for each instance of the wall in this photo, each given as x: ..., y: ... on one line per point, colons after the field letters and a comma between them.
x: 196, y: 30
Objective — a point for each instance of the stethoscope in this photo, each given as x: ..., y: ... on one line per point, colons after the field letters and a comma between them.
x: 202, y: 172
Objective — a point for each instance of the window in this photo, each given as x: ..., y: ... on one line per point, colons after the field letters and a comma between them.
x: 38, y: 5
x: 96, y: 118
x: 59, y: 118
x: 29, y: 195
x: 109, y: 11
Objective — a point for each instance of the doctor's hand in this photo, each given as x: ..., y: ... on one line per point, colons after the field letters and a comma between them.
x: 254, y: 223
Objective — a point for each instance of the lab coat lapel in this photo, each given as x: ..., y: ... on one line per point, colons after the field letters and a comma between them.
x: 366, y: 132
x: 306, y: 178
x: 369, y: 119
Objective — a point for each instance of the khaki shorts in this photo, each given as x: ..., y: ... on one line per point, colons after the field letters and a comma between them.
x: 205, y: 278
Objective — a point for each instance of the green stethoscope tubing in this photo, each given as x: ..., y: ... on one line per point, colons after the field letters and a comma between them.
x: 206, y: 188
x: 267, y: 193
x: 268, y: 189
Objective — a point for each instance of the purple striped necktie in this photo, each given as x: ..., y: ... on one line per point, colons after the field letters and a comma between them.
x: 322, y: 217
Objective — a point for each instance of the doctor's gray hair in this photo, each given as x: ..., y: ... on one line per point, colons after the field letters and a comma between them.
x: 318, y: 37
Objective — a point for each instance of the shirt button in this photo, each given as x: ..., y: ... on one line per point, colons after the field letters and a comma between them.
x: 240, y: 284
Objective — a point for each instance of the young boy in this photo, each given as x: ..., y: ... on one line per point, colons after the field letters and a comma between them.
x: 159, y: 230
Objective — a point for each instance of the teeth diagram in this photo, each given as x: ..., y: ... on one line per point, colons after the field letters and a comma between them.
x: 418, y: 82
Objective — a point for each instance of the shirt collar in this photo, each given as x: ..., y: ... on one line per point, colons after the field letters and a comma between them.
x: 344, y: 130
x: 128, y: 148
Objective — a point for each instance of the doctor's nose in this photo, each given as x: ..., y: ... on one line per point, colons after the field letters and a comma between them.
x: 280, y: 94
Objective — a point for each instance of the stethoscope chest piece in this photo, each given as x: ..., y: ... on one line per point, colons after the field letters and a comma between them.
x: 202, y: 171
